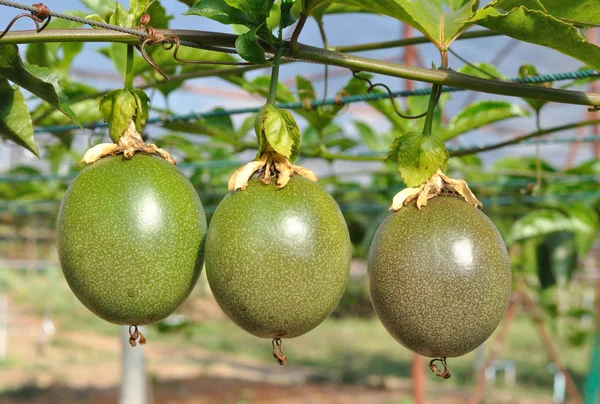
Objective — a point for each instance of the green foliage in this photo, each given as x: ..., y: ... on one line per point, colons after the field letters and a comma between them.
x: 429, y: 17
x: 252, y: 14
x: 418, y: 157
x: 277, y: 129
x: 119, y: 107
x: 480, y: 114
x: 39, y: 81
x: 248, y: 48
x: 15, y: 121
x: 537, y: 27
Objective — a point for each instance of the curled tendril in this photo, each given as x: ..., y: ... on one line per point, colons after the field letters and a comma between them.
x: 278, y: 351
x: 42, y: 14
x: 136, y: 336
x: 390, y: 94
x: 438, y: 372
x: 168, y: 42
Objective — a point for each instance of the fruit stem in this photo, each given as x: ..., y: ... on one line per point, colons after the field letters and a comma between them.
x: 272, y: 98
x: 436, y: 91
x: 129, y: 70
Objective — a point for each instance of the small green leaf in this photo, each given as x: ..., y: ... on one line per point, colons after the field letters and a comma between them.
x: 15, y: 121
x: 101, y: 7
x: 429, y: 17
x: 257, y: 10
x: 137, y: 8
x: 580, y: 12
x: 276, y: 128
x: 539, y: 28
x: 530, y: 70
x: 122, y: 18
x: 483, y: 70
x: 260, y: 86
x: 220, y: 11
x: 418, y: 157
x: 141, y: 114
x: 543, y: 222
x: 118, y: 107
x: 249, y: 49
x: 39, y: 81
x: 287, y: 18
x: 368, y: 136
x: 480, y: 114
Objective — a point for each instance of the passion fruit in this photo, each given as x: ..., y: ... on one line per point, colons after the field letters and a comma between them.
x: 439, y: 278
x: 131, y: 238
x: 278, y: 259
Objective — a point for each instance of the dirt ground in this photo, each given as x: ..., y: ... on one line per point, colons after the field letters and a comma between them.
x: 84, y: 367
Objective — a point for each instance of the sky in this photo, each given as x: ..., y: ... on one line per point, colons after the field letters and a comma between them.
x: 208, y: 93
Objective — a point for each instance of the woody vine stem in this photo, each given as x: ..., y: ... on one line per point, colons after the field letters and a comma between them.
x: 317, y: 55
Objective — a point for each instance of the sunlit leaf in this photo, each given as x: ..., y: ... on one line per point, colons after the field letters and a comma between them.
x: 429, y: 17
x: 39, y: 81
x: 539, y: 28
x: 15, y: 121
x: 480, y: 114
x: 418, y: 157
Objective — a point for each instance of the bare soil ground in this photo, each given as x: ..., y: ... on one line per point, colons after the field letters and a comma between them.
x: 84, y: 367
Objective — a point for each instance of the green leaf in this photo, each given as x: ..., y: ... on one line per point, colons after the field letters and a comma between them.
x: 276, y: 128
x: 220, y: 11
x: 368, y: 136
x: 429, y: 17
x: 539, y: 28
x: 118, y: 107
x: 137, y: 8
x: 530, y: 70
x: 101, y: 7
x: 257, y: 10
x: 543, y: 222
x: 580, y: 12
x: 483, y: 70
x: 260, y: 86
x: 39, y: 81
x: 56, y: 55
x: 556, y: 258
x: 122, y: 18
x: 418, y: 157
x: 15, y: 121
x: 287, y: 18
x: 141, y: 114
x: 480, y: 114
x: 249, y: 49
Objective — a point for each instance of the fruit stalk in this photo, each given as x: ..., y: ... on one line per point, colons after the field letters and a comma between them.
x: 272, y: 97
x: 129, y: 71
x: 436, y: 91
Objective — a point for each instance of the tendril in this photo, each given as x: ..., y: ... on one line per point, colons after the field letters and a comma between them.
x: 278, y: 351
x: 136, y: 336
x: 42, y: 14
x: 445, y: 373
x: 390, y: 94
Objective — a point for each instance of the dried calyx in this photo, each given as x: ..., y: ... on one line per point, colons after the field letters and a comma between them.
x: 269, y: 166
x: 438, y: 184
x: 129, y: 143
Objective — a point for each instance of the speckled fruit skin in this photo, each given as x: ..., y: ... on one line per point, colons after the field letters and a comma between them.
x: 278, y: 260
x: 131, y: 238
x: 439, y: 279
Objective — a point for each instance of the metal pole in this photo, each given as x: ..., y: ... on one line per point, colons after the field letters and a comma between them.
x: 134, y: 389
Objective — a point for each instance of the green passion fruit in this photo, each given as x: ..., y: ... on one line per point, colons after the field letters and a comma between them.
x: 278, y: 259
x: 439, y: 278
x: 131, y: 238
